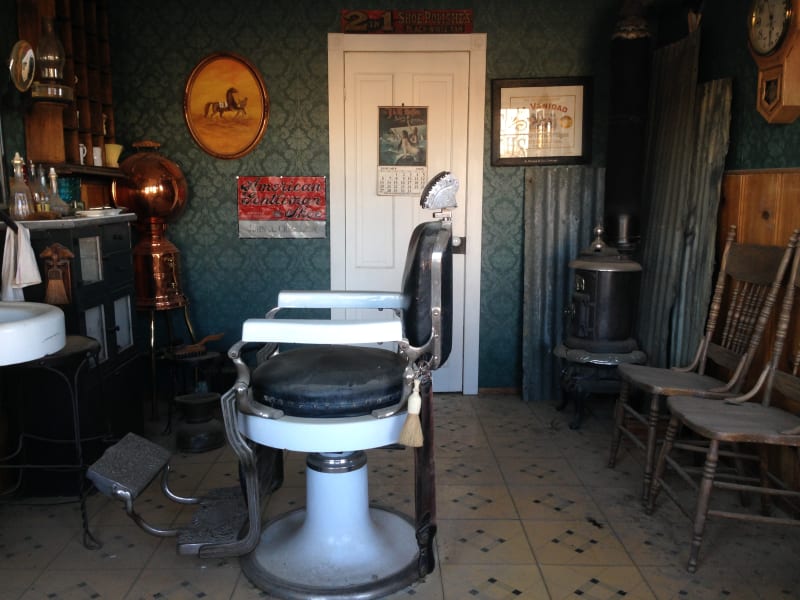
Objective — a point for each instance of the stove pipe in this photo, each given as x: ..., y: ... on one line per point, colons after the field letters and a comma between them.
x: 631, y: 54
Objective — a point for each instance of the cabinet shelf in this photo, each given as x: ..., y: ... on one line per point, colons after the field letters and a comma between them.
x: 69, y: 169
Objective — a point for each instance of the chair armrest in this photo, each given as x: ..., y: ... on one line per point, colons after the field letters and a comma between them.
x: 342, y: 299
x: 319, y: 331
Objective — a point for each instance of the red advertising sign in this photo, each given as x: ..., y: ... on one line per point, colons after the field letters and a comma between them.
x: 406, y: 21
x: 272, y: 207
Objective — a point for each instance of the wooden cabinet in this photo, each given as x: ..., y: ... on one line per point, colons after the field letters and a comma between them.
x: 100, y: 281
x: 55, y: 131
x: 102, y: 304
x: 113, y: 391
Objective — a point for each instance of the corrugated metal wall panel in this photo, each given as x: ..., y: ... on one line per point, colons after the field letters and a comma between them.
x: 701, y: 228
x: 687, y: 145
x: 667, y: 174
x: 562, y: 206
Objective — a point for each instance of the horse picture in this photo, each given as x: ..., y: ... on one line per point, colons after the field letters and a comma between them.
x: 226, y: 105
x: 230, y: 104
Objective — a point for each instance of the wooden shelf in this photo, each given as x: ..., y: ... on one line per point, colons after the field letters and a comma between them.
x: 53, y: 131
x: 98, y: 172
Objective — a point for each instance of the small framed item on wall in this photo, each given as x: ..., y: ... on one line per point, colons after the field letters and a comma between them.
x: 541, y: 121
x: 226, y: 105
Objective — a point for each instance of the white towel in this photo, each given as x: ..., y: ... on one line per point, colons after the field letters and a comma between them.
x: 19, y: 265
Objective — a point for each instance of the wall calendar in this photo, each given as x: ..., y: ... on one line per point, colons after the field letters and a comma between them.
x: 402, y: 150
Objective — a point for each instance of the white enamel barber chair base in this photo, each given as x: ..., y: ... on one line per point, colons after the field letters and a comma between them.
x: 338, y: 546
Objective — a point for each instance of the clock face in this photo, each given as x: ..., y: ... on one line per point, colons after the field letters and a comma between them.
x: 768, y: 23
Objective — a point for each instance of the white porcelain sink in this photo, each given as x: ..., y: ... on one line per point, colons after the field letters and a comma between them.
x: 29, y: 330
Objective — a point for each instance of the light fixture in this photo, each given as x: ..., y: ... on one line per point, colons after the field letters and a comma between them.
x: 50, y: 58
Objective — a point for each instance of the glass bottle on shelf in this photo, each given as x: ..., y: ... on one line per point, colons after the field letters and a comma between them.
x: 21, y: 200
x: 38, y: 188
x: 75, y: 191
x: 57, y: 205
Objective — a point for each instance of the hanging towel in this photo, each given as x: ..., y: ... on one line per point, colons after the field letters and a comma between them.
x: 8, y: 293
x: 19, y: 265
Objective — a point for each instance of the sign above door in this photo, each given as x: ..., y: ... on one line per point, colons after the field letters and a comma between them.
x: 406, y: 21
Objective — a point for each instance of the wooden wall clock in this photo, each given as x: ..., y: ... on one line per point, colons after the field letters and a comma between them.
x: 773, y: 35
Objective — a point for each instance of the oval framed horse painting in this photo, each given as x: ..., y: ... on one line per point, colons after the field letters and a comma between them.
x: 226, y: 105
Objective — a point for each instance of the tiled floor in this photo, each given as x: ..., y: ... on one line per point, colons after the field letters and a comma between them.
x: 526, y: 509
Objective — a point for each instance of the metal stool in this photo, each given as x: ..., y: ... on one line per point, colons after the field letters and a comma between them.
x: 67, y: 364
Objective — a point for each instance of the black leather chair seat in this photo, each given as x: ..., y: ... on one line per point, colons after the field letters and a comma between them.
x: 330, y: 381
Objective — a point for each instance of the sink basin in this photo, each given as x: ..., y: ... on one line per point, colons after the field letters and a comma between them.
x: 29, y: 330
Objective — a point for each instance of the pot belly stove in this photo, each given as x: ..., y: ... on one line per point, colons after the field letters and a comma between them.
x: 600, y: 322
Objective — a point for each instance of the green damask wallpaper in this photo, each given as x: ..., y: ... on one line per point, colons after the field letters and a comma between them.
x: 156, y: 43
x: 155, y: 46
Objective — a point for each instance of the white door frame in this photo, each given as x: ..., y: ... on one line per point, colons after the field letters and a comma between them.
x: 475, y: 44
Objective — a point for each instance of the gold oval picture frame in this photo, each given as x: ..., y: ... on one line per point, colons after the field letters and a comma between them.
x: 226, y: 105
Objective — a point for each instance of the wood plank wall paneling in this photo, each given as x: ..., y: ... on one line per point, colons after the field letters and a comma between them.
x: 765, y: 207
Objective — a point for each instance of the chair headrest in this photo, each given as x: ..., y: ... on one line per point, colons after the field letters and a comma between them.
x: 440, y: 192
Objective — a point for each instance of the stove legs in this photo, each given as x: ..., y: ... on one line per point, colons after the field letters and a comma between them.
x: 579, y: 382
x: 572, y: 391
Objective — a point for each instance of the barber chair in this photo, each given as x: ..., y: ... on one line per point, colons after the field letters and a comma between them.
x: 342, y: 387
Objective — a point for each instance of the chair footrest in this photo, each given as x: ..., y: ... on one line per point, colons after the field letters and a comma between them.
x: 129, y: 465
x: 219, y: 519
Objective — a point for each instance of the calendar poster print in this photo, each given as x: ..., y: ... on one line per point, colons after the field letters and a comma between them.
x: 403, y: 132
x: 402, y: 149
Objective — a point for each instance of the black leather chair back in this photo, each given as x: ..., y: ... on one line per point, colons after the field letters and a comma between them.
x: 428, y: 281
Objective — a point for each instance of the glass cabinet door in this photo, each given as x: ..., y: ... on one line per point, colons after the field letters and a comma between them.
x: 95, y: 322
x: 124, y: 326
x: 91, y: 259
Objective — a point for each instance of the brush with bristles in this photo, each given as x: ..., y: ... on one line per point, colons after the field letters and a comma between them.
x: 411, y: 434
x: 197, y: 349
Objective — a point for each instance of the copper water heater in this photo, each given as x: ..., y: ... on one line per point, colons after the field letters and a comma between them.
x: 155, y: 189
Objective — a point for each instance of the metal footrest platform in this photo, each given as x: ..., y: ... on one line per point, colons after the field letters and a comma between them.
x: 220, y: 519
x: 128, y: 466
x: 223, y: 523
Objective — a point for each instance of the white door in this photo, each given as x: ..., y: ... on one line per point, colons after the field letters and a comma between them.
x: 370, y: 232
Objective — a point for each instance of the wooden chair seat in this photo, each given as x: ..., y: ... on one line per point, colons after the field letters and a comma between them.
x: 743, y: 423
x: 668, y: 382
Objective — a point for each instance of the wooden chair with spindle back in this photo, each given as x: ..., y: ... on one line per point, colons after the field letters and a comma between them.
x: 747, y: 419
x: 749, y: 280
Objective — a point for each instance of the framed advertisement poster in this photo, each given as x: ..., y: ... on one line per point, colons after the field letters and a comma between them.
x: 541, y: 121
x: 281, y: 206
